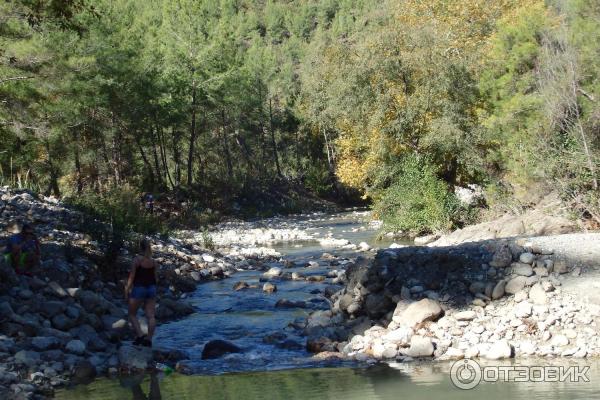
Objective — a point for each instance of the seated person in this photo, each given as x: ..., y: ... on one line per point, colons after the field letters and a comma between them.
x: 23, y: 250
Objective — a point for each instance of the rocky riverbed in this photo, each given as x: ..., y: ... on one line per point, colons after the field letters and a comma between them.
x: 492, y: 299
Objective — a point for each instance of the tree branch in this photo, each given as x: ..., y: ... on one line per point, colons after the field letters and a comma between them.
x: 587, y: 95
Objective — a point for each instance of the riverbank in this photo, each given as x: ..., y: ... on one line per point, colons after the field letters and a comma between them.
x: 68, y: 322
x: 494, y: 299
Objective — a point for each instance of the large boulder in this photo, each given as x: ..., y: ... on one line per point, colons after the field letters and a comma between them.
x: 218, y: 348
x: 417, y: 313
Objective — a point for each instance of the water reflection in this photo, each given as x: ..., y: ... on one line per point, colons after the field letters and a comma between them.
x: 380, y: 382
x: 136, y: 382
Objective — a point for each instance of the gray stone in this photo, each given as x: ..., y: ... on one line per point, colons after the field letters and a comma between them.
x: 501, y: 258
x: 75, y: 346
x: 218, y: 348
x: 477, y: 287
x: 269, y: 288
x: 418, y: 312
x: 522, y: 269
x: 467, y: 315
x: 527, y: 258
x: 62, y: 322
x: 560, y: 267
x: 27, y: 357
x: 273, y: 272
x: 51, y: 308
x: 514, y: 285
x: 498, y: 291
x: 43, y: 343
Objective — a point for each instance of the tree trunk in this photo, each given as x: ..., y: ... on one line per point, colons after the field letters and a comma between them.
x: 190, y: 162
x: 145, y: 159
x: 163, y: 155
x: 79, y: 178
x: 177, y: 157
x: 53, y: 184
x: 226, y: 147
x: 156, y: 162
x: 273, y: 143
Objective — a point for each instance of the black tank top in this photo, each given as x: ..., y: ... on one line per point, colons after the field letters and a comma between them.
x: 144, y: 276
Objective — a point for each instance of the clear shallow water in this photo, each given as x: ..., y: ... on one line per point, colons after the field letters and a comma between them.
x: 245, y: 317
x: 412, y: 381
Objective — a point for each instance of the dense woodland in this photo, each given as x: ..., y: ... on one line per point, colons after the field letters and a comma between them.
x: 222, y: 101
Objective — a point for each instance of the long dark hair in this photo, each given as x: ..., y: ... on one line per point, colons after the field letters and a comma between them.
x: 145, y: 248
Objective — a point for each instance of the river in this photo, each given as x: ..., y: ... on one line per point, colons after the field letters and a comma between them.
x: 286, y: 371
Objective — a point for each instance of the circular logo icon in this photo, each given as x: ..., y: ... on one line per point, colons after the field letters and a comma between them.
x: 465, y: 374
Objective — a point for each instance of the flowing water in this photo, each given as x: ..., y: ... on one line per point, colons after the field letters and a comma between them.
x: 276, y: 371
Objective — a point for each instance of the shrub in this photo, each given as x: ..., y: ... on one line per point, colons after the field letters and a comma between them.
x: 417, y: 201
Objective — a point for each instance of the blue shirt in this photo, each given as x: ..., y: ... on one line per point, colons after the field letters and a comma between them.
x: 20, y: 240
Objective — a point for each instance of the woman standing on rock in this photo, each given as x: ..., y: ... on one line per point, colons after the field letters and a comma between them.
x: 141, y: 289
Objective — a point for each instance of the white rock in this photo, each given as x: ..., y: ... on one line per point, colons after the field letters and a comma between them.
x: 420, y: 346
x: 498, y: 350
x: 400, y: 336
x: 527, y: 347
x: 467, y: 315
x: 523, y: 310
x: 208, y: 258
x: 559, y: 341
x: 418, y: 312
x: 538, y: 295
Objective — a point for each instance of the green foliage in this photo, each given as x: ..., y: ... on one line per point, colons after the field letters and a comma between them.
x: 227, y: 102
x: 417, y: 201
x: 121, y: 209
x: 207, y: 240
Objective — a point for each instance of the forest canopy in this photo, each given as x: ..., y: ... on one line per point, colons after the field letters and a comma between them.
x: 221, y: 101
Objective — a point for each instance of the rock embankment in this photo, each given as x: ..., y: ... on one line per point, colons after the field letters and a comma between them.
x: 68, y: 321
x: 494, y: 299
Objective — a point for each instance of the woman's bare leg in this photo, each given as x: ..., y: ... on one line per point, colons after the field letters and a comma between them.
x: 150, y: 311
x: 134, y: 304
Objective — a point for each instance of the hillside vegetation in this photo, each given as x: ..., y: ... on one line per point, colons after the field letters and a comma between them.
x: 218, y: 102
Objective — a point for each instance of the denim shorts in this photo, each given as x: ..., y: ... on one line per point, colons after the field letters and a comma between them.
x: 143, y: 292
